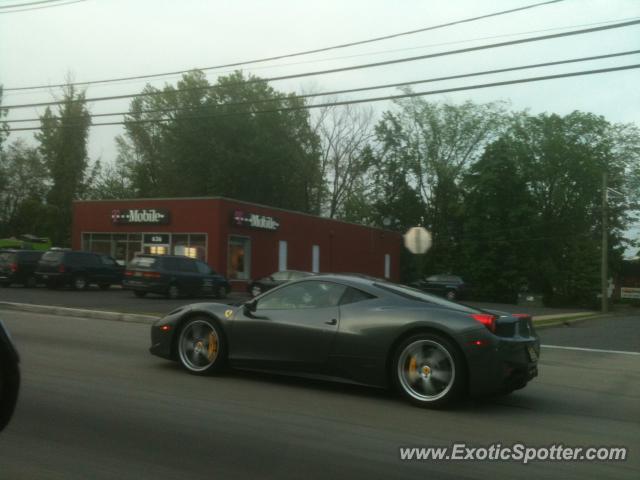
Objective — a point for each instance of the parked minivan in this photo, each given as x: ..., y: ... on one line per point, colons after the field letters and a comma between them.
x: 78, y: 269
x: 173, y: 276
x: 19, y: 266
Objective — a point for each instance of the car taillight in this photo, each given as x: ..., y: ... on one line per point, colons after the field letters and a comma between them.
x: 151, y: 274
x: 13, y: 267
x: 486, y: 319
x: 128, y: 273
x: 61, y: 269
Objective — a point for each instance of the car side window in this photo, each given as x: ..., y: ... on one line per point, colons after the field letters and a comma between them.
x: 203, y: 268
x: 353, y: 295
x: 108, y: 261
x: 303, y: 295
x: 187, y: 266
x: 170, y: 264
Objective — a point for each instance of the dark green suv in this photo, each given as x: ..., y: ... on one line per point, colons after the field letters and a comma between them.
x: 173, y: 276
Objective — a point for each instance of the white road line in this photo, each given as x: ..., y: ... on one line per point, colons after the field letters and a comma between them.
x: 621, y: 352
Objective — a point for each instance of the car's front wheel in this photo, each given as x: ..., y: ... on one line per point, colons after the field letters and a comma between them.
x: 173, y: 292
x: 140, y: 293
x: 429, y: 370
x: 201, y: 347
x: 451, y: 295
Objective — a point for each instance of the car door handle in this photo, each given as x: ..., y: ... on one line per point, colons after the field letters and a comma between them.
x: 333, y: 321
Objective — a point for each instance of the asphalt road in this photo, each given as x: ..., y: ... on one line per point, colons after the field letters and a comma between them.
x: 117, y: 299
x: 95, y: 404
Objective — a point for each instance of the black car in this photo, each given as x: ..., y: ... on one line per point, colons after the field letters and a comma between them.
x: 173, y: 276
x: 19, y: 266
x: 357, y: 330
x: 263, y: 284
x: 9, y: 376
x: 78, y: 269
x: 451, y: 287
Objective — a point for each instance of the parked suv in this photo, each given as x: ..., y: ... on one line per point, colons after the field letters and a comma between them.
x: 78, y: 269
x: 19, y: 266
x: 451, y: 287
x: 173, y: 276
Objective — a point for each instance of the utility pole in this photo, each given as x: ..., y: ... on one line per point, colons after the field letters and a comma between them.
x: 605, y: 247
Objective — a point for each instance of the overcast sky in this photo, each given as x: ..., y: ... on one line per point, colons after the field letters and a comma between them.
x: 98, y: 39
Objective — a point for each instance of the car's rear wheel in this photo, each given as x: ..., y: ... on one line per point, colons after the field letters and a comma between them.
x: 451, y: 295
x: 105, y: 286
x: 5, y: 284
x: 256, y: 290
x: 139, y: 293
x: 429, y: 370
x: 31, y: 282
x: 201, y: 347
x: 173, y: 292
x: 80, y: 282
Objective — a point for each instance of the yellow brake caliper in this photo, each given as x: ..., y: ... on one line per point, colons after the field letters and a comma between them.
x: 413, y: 365
x: 213, y: 346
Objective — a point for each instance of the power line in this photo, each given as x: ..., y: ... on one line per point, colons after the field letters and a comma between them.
x: 2, y: 7
x: 61, y: 4
x: 362, y: 89
x: 364, y: 100
x: 381, y: 52
x: 353, y: 67
x: 297, y: 54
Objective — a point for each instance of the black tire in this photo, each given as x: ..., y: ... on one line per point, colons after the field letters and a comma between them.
x: 173, y: 292
x: 105, y: 286
x: 429, y: 370
x: 201, y: 346
x: 140, y: 293
x: 79, y: 282
x: 451, y: 295
x: 51, y: 285
x: 256, y: 290
x: 31, y: 282
x: 5, y: 284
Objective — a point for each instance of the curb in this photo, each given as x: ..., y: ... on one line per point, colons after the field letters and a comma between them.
x: 76, y: 312
x: 545, y: 321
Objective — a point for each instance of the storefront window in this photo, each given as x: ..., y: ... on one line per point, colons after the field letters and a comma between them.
x: 197, y: 246
x: 239, y: 258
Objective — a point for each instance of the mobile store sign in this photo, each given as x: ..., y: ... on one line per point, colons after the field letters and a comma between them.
x: 253, y: 220
x: 140, y: 216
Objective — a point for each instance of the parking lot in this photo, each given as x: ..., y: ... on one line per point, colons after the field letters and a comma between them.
x: 120, y: 300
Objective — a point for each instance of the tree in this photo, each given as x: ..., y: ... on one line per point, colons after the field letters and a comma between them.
x: 431, y: 145
x: 24, y: 189
x: 226, y: 139
x: 345, y: 133
x: 63, y: 147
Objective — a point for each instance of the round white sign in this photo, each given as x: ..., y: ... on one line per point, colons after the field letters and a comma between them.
x: 417, y: 240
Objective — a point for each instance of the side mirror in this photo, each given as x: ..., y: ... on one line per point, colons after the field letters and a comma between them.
x: 250, y: 307
x: 9, y: 377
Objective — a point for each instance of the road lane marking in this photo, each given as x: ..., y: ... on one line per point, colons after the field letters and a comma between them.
x: 598, y: 350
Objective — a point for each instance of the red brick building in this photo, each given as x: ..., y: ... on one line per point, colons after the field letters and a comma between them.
x: 240, y: 240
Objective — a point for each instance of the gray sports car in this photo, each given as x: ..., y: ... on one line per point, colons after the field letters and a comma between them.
x: 358, y: 330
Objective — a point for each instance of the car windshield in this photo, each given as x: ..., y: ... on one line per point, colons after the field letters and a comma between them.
x: 143, y: 262
x: 420, y: 296
x: 52, y: 257
x: 7, y: 257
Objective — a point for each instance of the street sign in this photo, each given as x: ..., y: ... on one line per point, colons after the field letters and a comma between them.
x: 417, y: 240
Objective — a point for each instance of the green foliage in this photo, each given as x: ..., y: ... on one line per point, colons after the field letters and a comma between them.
x: 63, y: 147
x: 213, y: 141
x: 24, y: 186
